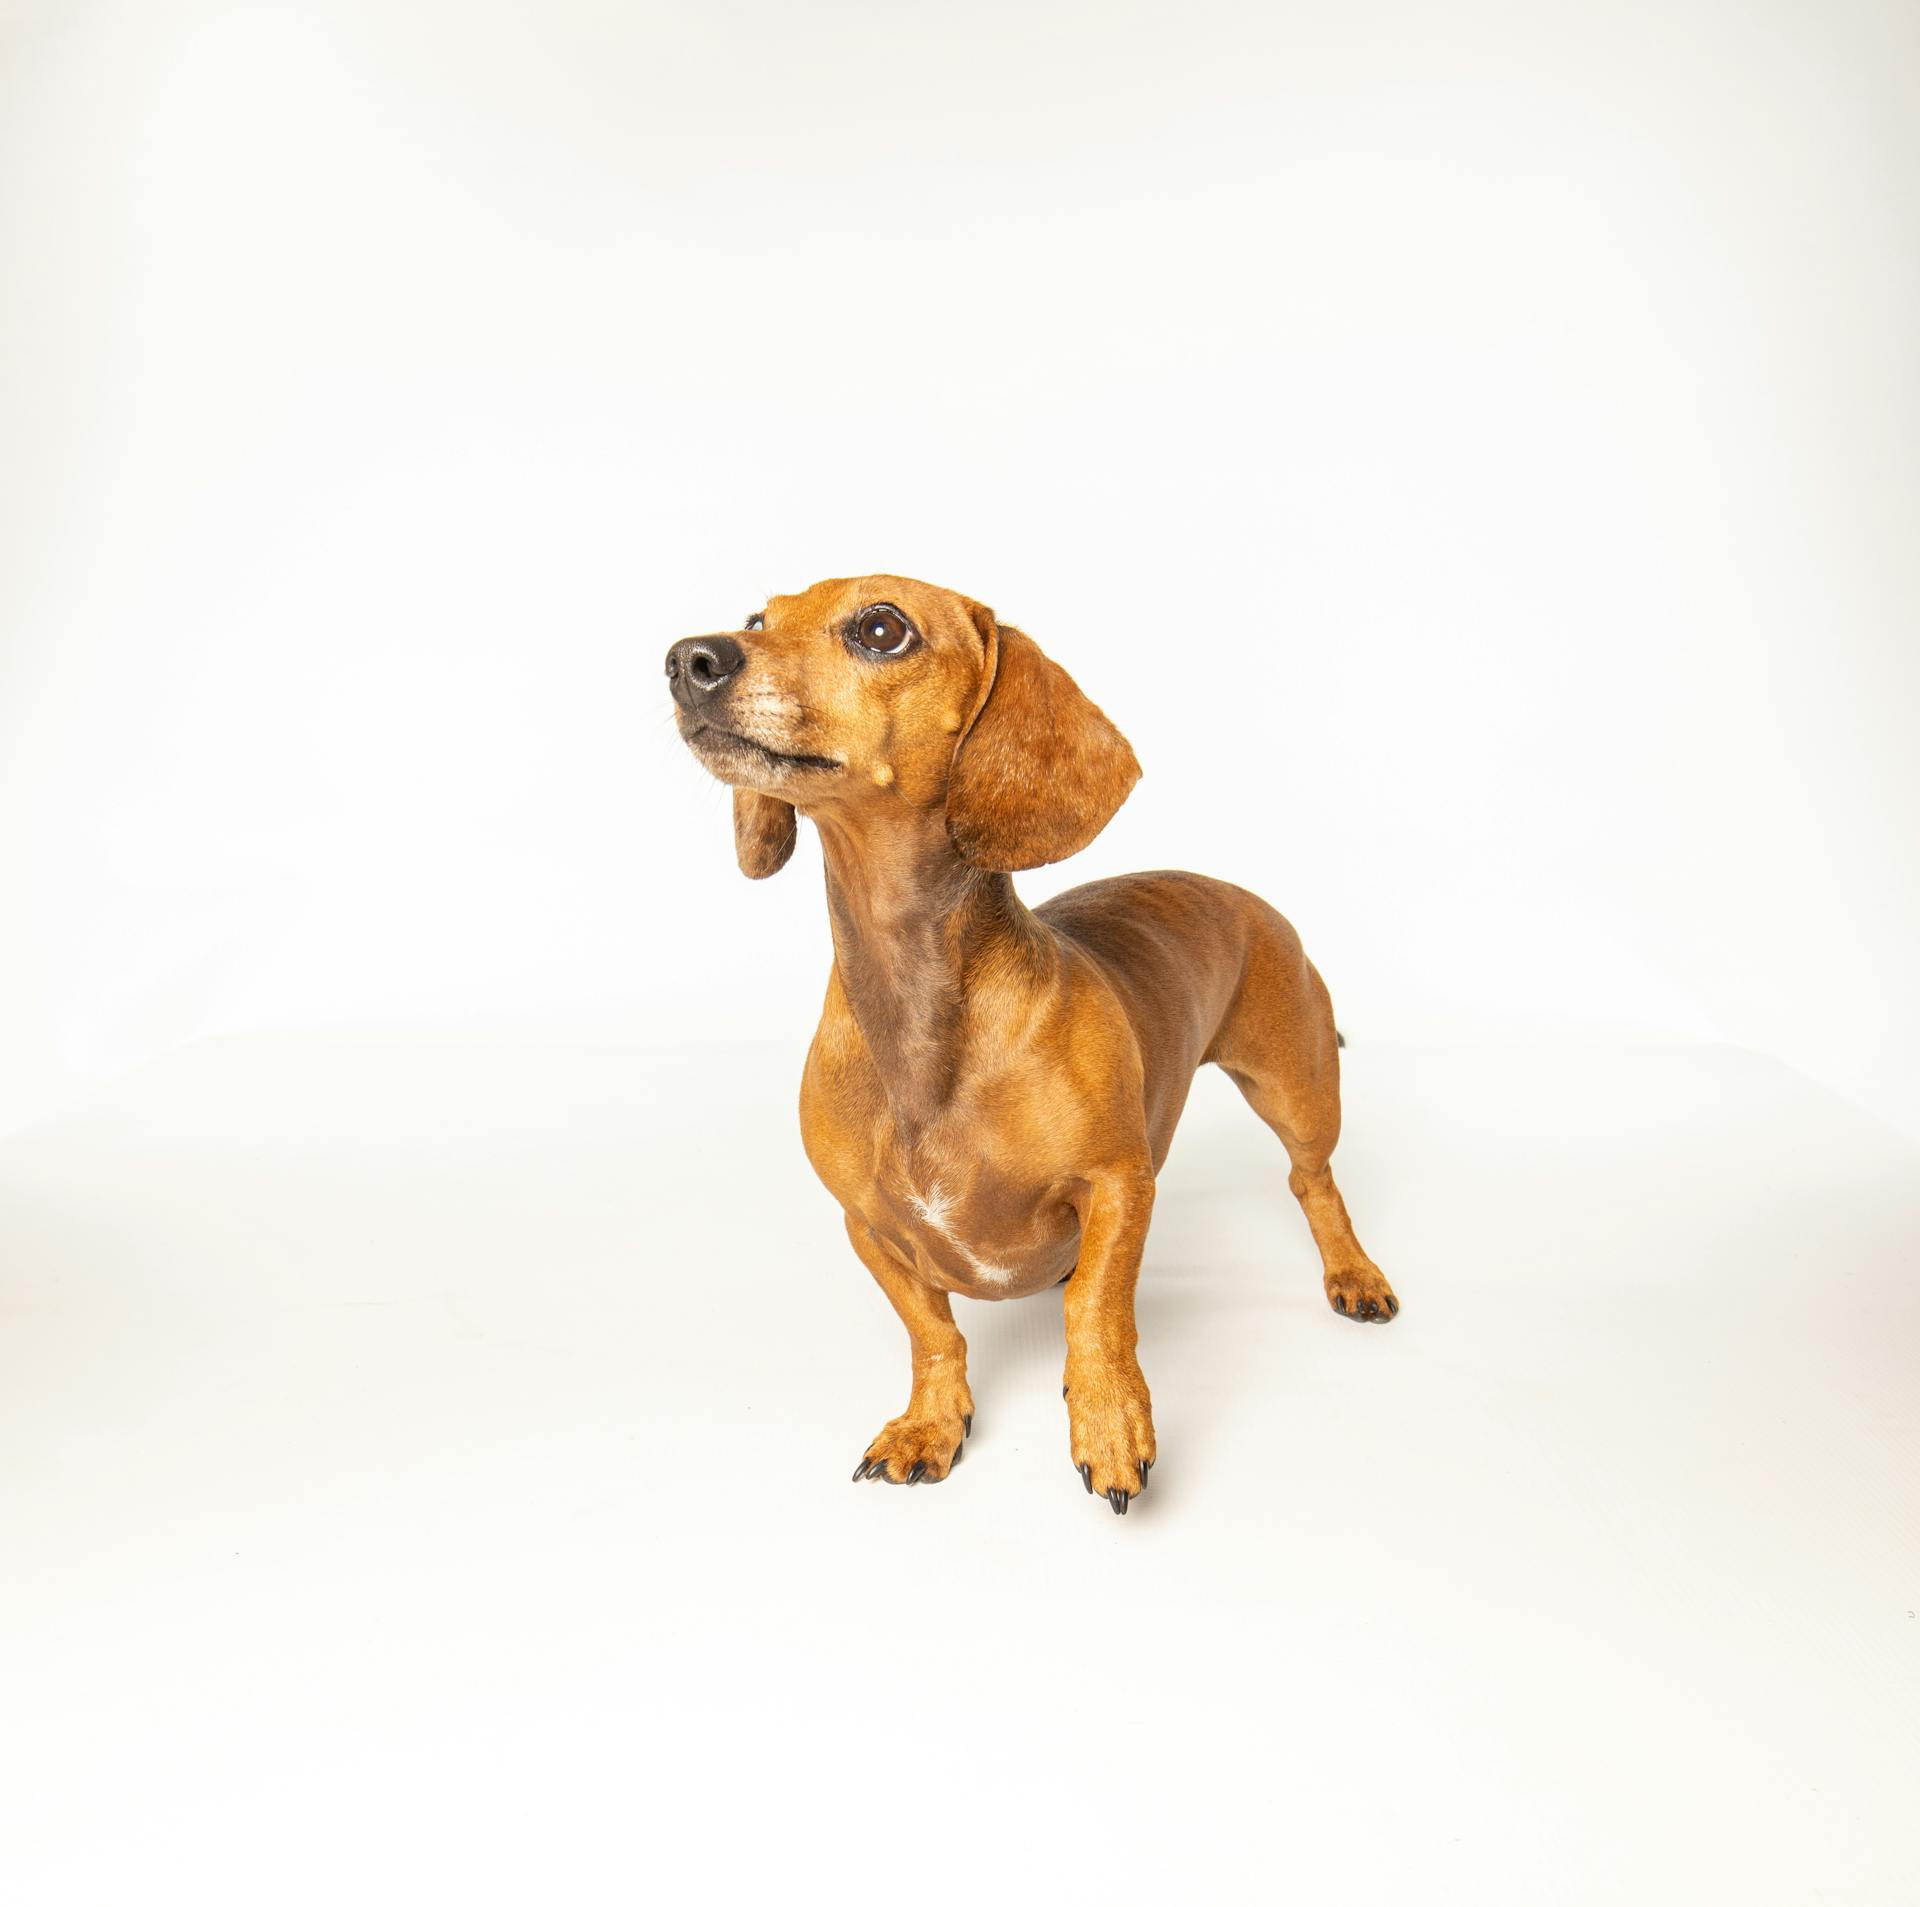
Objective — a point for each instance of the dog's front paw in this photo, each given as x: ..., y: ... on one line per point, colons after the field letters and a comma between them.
x: 1110, y: 1418
x: 919, y: 1447
x: 1362, y: 1291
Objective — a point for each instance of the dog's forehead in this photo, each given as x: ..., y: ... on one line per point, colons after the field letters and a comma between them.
x: 841, y: 597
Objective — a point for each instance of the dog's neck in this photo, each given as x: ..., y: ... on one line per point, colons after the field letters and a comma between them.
x: 912, y: 922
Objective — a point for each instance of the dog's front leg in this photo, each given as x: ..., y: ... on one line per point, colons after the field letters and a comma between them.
x: 1108, y: 1409
x: 922, y: 1444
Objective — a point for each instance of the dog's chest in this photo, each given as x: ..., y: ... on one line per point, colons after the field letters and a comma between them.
x: 978, y: 1229
x: 971, y: 1193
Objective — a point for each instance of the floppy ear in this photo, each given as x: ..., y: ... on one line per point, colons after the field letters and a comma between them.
x: 1039, y: 771
x: 763, y: 833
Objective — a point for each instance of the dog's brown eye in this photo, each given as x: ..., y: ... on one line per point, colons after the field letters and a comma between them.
x: 883, y: 630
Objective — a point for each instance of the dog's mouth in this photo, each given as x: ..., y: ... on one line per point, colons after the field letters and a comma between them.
x: 725, y: 745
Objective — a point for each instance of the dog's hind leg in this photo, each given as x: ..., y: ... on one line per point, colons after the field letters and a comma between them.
x: 1278, y: 1045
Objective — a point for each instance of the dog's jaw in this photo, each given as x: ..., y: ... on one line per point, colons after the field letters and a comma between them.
x: 744, y: 762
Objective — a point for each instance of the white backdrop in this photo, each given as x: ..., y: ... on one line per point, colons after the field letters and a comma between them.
x: 1472, y: 451
x: 1473, y: 454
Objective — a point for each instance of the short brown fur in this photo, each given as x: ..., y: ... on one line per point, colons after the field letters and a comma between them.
x: 992, y: 1090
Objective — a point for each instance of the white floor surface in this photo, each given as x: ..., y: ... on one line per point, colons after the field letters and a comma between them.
x: 424, y: 1475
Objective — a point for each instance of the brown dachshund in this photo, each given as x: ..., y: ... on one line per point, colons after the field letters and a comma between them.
x: 992, y: 1090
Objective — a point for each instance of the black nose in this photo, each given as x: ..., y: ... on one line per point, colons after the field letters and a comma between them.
x: 701, y: 664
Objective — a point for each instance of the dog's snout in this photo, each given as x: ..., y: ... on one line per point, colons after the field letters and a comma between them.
x: 701, y: 664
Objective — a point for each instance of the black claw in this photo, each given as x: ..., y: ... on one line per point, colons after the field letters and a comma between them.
x: 1063, y: 1390
x: 966, y: 1425
x: 878, y: 1468
x: 1393, y: 1307
x: 1119, y: 1499
x: 860, y: 1469
x: 1145, y: 1466
x: 1340, y: 1304
x: 918, y: 1471
x: 1086, y: 1477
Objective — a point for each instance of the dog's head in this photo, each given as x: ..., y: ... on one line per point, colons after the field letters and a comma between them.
x: 877, y: 690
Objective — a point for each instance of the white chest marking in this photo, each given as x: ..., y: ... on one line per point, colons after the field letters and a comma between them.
x: 935, y: 1209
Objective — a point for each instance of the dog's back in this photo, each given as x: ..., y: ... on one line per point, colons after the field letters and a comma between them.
x: 1206, y: 971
